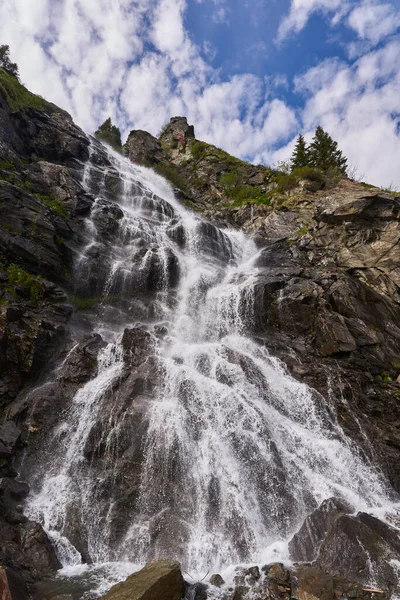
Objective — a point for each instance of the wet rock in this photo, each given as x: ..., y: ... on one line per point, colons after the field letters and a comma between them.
x: 161, y: 579
x: 240, y: 592
x: 12, y: 586
x: 198, y: 591
x: 253, y: 574
x: 361, y: 549
x: 310, y: 582
x: 9, y: 438
x: 36, y: 544
x: 137, y: 345
x: 305, y: 544
x: 277, y: 579
x: 216, y: 580
x: 81, y: 362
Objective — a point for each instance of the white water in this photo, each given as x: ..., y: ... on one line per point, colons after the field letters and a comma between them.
x: 236, y: 452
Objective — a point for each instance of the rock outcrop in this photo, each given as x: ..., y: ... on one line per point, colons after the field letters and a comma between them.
x: 161, y: 579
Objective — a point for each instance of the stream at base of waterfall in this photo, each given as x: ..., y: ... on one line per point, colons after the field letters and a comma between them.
x: 218, y: 457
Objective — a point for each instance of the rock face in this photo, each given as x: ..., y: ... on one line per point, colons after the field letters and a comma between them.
x: 11, y: 586
x: 326, y: 303
x: 161, y: 579
x: 305, y: 545
x: 358, y: 547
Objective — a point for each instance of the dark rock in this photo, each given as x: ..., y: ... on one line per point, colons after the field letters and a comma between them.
x: 361, y: 549
x: 161, y: 579
x: 217, y: 580
x: 199, y: 591
x: 36, y: 544
x: 240, y: 592
x: 81, y: 363
x: 253, y: 574
x: 305, y: 544
x: 137, y: 344
x: 9, y: 438
x: 12, y: 586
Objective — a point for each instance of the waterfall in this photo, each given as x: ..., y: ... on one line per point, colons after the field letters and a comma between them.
x: 207, y: 450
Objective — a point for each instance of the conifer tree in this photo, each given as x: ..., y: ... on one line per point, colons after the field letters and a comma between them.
x: 324, y: 153
x: 110, y: 134
x: 301, y: 154
x: 5, y: 61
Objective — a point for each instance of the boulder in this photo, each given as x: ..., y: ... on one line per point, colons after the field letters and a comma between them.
x: 37, y: 546
x: 9, y: 438
x: 216, y: 580
x: 159, y: 579
x: 141, y: 147
x: 12, y: 586
x: 361, y: 548
x: 305, y: 544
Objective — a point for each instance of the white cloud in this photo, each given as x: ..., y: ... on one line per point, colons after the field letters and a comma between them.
x: 374, y: 21
x: 357, y: 104
x: 135, y: 61
x: 301, y: 10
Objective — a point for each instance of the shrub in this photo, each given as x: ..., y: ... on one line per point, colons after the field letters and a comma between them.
x: 198, y: 149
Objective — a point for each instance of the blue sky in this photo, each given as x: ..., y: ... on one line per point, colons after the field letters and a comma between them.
x: 249, y: 74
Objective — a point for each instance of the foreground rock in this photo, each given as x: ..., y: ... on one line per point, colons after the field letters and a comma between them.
x: 303, y: 582
x: 160, y: 579
x: 12, y: 586
x: 360, y: 547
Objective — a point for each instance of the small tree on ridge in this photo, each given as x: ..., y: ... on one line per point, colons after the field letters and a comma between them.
x: 324, y: 153
x: 5, y: 61
x: 110, y: 134
x: 301, y: 154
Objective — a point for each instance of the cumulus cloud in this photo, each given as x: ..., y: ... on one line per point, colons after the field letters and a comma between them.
x: 135, y: 61
x: 301, y: 10
x: 374, y: 21
x: 358, y: 105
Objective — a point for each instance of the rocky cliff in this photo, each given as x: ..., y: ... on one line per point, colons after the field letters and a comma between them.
x: 327, y: 294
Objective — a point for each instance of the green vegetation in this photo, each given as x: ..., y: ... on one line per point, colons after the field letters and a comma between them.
x: 54, y: 204
x: 162, y: 130
x: 19, y: 98
x: 322, y: 154
x: 6, y: 165
x: 368, y: 186
x: 173, y: 175
x: 88, y: 303
x: 301, y: 154
x: 109, y: 133
x: 29, y: 284
x: 5, y: 61
x: 198, y: 149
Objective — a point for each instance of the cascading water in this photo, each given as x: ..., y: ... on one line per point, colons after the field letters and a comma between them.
x: 221, y: 453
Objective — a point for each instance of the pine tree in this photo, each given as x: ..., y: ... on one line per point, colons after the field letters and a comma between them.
x: 5, y: 61
x: 301, y: 154
x: 324, y: 153
x: 110, y: 134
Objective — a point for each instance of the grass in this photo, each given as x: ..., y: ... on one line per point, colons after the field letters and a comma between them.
x: 19, y: 98
x: 88, y: 303
x: 30, y: 284
x: 173, y: 175
x: 54, y: 205
x: 109, y: 138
